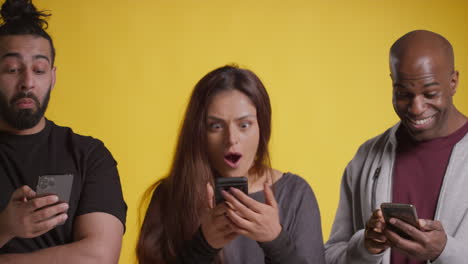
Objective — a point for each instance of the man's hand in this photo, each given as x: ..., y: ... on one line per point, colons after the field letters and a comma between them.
x: 217, y: 229
x: 255, y: 220
x: 374, y: 239
x: 428, y: 243
x: 28, y: 216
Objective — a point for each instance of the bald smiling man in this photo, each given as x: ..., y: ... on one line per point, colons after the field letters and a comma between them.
x: 422, y: 160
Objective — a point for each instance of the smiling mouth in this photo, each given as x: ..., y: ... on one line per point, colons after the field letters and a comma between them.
x: 420, y: 123
x: 232, y: 159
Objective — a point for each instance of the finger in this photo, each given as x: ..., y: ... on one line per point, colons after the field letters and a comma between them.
x: 40, y: 202
x: 209, y: 194
x: 378, y: 214
x: 375, y: 218
x: 376, y: 224
x: 246, y: 200
x: 241, y: 231
x: 45, y: 226
x: 430, y: 225
x: 412, y: 231
x: 377, y: 245
x: 269, y: 196
x: 239, y: 221
x: 239, y: 207
x: 229, y: 205
x: 219, y: 210
x: 23, y: 192
x: 398, y: 242
x: 381, y: 238
x: 379, y: 227
x: 48, y: 212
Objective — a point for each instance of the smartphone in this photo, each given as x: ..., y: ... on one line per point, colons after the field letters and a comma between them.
x: 224, y: 183
x: 404, y: 212
x: 60, y: 185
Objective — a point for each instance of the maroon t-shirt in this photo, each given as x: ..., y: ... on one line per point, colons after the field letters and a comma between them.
x: 418, y: 174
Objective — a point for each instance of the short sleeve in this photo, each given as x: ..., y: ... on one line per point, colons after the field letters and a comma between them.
x: 101, y: 190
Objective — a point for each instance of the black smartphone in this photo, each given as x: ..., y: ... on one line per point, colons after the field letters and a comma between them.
x: 60, y: 185
x: 224, y: 183
x: 404, y: 212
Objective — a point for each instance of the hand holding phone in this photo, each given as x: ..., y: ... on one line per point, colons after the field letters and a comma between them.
x: 374, y: 239
x: 224, y: 183
x: 215, y: 226
x: 24, y: 216
x: 404, y: 212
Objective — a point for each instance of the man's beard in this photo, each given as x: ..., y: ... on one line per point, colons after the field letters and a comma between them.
x: 23, y: 118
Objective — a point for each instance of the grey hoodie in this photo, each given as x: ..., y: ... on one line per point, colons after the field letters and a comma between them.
x: 367, y: 182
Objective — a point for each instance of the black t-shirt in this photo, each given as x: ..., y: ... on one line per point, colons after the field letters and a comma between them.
x: 57, y: 150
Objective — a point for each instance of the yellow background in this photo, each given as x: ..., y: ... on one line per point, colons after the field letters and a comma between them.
x: 125, y: 70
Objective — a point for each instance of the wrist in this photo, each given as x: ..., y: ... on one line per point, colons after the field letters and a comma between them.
x: 278, y: 229
x: 5, y: 236
x: 204, y: 237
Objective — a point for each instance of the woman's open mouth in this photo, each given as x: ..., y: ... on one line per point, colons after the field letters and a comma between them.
x: 232, y: 159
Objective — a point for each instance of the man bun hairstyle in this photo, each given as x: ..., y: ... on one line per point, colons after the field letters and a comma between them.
x: 20, y: 17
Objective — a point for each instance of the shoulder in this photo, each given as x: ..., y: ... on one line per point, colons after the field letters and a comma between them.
x: 376, y: 144
x: 292, y: 187
x: 296, y: 199
x: 290, y: 181
x: 76, y: 141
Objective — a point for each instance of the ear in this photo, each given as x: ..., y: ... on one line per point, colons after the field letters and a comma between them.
x: 54, y: 69
x: 453, y: 83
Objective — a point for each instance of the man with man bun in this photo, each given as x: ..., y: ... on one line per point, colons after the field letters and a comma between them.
x: 422, y: 160
x: 43, y: 228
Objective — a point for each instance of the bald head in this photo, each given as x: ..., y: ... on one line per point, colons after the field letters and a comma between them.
x: 415, y: 48
x: 424, y: 81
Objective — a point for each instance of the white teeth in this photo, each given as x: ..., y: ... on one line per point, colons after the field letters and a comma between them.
x: 422, y: 121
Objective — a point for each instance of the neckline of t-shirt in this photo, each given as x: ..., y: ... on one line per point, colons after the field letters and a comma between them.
x: 441, y: 142
x: 277, y: 184
x: 6, y: 137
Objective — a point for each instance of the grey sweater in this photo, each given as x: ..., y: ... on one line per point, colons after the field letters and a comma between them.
x: 367, y: 182
x: 299, y: 242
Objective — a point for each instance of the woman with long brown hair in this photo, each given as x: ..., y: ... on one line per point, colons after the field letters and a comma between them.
x: 225, y: 133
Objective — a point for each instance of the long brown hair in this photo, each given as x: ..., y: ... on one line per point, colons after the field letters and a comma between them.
x: 174, y: 211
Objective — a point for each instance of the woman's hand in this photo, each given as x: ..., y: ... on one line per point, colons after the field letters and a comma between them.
x: 217, y: 229
x: 255, y: 220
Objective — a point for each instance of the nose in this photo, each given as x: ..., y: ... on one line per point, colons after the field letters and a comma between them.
x: 417, y: 106
x: 27, y: 80
x: 232, y: 135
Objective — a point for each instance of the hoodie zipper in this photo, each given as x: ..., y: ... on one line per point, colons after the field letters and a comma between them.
x: 374, y: 187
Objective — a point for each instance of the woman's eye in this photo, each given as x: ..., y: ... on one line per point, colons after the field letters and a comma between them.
x: 245, y: 124
x: 215, y: 126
